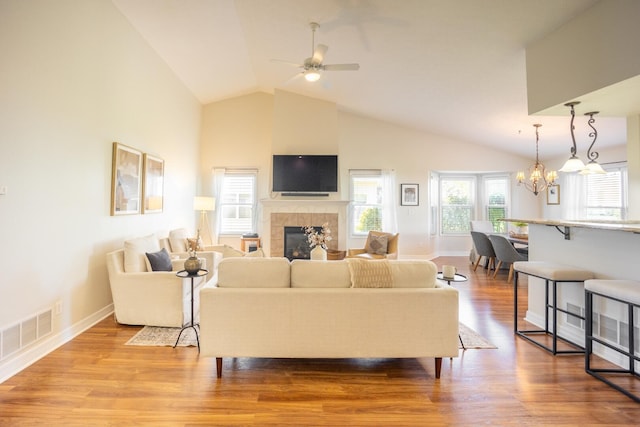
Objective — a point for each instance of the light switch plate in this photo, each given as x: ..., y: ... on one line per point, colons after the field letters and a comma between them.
x: 3, y: 190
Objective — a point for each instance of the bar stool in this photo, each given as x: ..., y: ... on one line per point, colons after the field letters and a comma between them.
x: 554, y: 273
x: 623, y: 291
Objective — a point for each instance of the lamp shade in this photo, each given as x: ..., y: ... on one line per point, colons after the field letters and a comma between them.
x: 312, y: 76
x: 574, y: 164
x: 592, y: 168
x: 203, y: 203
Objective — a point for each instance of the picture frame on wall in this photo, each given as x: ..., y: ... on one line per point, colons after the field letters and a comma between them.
x: 126, y: 180
x: 553, y: 194
x: 409, y: 194
x: 153, y: 184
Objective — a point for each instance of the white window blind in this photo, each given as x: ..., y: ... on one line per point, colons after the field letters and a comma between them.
x: 366, y: 201
x: 496, y: 200
x: 606, y: 198
x: 457, y: 203
x: 238, y: 203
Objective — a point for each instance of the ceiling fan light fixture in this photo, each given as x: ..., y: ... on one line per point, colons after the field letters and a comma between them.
x: 312, y: 76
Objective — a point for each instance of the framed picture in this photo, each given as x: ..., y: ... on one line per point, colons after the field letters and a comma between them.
x: 553, y: 194
x: 152, y: 187
x: 409, y: 194
x: 126, y: 184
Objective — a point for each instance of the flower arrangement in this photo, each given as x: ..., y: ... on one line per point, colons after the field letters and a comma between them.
x: 316, y: 238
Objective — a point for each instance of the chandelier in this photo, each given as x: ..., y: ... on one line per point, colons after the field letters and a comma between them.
x: 539, y: 179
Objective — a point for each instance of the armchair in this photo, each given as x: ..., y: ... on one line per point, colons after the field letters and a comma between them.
x: 156, y: 298
x: 379, y: 245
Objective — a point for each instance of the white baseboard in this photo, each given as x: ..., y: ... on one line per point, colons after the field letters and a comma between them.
x: 37, y: 351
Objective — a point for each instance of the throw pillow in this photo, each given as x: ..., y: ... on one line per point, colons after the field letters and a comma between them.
x: 227, y: 251
x: 377, y: 244
x: 134, y: 250
x: 159, y: 261
x: 370, y: 273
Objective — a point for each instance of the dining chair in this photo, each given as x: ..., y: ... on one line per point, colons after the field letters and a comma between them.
x: 505, y: 253
x: 484, y: 248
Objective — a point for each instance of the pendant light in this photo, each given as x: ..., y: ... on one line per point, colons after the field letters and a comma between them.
x: 574, y: 164
x: 539, y: 179
x: 593, y: 167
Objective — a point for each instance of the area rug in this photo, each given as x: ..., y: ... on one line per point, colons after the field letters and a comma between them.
x: 472, y: 339
x: 156, y: 336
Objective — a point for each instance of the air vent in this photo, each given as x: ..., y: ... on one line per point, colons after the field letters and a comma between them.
x: 608, y: 328
x: 578, y: 311
x: 18, y: 336
x: 624, y: 336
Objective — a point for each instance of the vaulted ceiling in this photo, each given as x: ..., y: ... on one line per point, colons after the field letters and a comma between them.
x: 454, y: 68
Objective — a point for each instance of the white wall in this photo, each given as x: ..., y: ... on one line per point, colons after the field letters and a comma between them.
x: 236, y: 132
x: 75, y: 77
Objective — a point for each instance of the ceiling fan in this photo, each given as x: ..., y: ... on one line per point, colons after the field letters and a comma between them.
x: 313, y: 66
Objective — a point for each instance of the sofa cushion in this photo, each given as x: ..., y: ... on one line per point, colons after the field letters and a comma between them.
x: 413, y: 273
x: 159, y: 261
x: 178, y: 240
x: 370, y: 273
x: 377, y: 244
x: 320, y: 274
x: 134, y: 253
x: 250, y: 272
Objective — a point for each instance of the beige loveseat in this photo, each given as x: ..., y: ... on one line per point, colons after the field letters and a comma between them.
x: 270, y: 307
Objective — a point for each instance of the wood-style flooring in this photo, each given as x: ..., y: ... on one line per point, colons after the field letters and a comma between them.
x: 95, y: 380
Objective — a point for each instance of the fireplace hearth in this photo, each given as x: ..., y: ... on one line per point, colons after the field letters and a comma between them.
x: 296, y: 245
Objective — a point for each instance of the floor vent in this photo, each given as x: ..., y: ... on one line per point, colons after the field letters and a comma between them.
x: 18, y: 336
x: 608, y: 328
x: 624, y: 336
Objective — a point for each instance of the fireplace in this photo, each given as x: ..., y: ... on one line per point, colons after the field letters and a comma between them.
x: 296, y: 245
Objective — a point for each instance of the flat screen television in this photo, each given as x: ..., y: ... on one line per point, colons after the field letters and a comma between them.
x: 305, y: 173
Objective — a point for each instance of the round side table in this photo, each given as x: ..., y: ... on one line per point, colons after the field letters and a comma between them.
x: 456, y: 278
x: 184, y: 274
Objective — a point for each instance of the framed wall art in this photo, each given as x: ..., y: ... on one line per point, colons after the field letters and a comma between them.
x: 126, y: 184
x: 553, y: 194
x: 153, y: 184
x: 409, y: 194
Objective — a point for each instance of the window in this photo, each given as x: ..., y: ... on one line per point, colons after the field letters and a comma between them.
x: 457, y: 203
x: 366, y: 201
x: 237, y: 203
x: 462, y: 200
x: 606, y: 197
x: 496, y: 201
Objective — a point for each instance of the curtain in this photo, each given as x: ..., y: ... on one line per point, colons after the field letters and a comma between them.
x: 573, y: 197
x: 218, y: 180
x: 389, y: 201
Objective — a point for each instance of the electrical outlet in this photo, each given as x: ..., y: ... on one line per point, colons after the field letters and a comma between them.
x: 58, y: 308
x: 3, y: 190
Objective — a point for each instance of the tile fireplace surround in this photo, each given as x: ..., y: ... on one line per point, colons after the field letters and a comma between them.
x: 278, y: 214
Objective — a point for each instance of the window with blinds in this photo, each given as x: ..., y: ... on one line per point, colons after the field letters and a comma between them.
x: 366, y: 202
x: 496, y: 200
x: 606, y: 197
x: 237, y: 203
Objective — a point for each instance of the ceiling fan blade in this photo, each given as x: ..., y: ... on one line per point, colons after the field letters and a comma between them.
x: 318, y: 54
x: 282, y: 61
x: 341, y: 67
x: 293, y: 78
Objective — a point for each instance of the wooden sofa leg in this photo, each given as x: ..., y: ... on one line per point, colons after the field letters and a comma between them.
x: 219, y: 367
x: 438, y: 366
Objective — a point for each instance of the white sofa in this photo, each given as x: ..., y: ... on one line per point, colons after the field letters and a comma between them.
x: 270, y: 307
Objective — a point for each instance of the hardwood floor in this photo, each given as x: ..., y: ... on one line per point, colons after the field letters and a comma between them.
x: 97, y: 380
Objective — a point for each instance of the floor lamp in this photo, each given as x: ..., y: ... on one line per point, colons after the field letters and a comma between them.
x: 204, y: 204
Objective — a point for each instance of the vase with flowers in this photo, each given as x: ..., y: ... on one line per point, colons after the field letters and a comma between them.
x: 192, y: 264
x: 318, y: 241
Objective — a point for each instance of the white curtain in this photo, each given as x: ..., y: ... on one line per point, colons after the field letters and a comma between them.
x: 389, y: 201
x: 573, y: 197
x: 218, y: 180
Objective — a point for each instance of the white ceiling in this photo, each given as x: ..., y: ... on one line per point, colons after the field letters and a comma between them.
x: 454, y: 68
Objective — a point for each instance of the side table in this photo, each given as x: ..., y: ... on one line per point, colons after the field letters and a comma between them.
x: 186, y: 275
x: 456, y: 278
